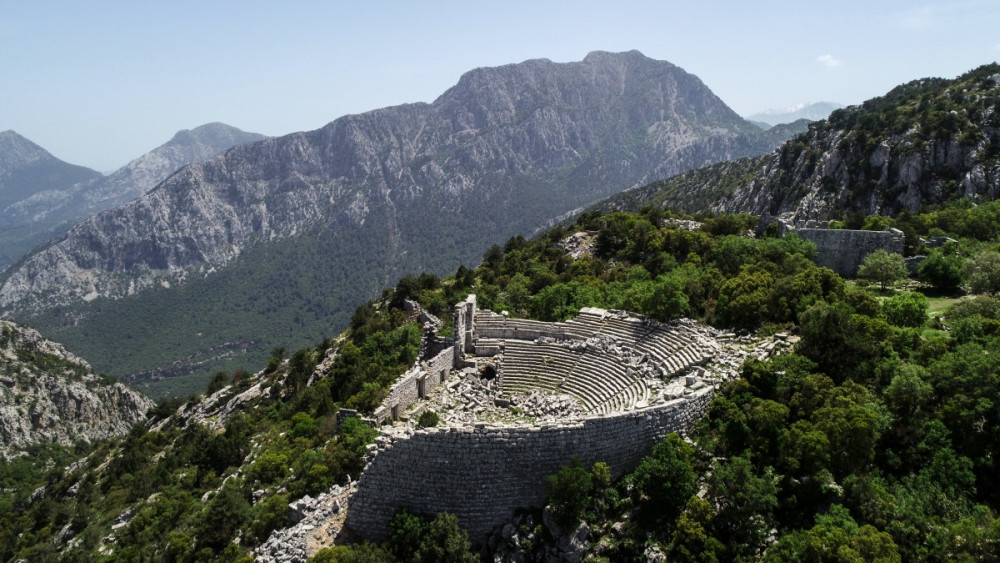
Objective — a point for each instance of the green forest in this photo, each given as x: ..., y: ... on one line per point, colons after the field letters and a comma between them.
x: 874, y: 440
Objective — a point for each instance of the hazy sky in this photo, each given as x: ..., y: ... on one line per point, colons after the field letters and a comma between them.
x: 99, y: 83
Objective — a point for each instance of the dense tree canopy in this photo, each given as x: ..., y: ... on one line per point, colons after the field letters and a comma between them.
x: 874, y: 440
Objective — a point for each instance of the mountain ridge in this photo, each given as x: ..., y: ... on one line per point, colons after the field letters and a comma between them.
x: 26, y: 169
x: 47, y: 213
x: 924, y: 143
x: 501, y: 152
x: 813, y: 112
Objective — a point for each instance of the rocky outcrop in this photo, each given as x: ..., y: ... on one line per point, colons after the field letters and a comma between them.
x: 401, y: 189
x: 49, y: 395
x: 51, y: 210
x: 924, y: 143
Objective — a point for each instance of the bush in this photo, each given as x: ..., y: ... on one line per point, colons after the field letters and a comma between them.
x: 983, y: 272
x: 906, y: 309
x: 271, y: 466
x: 445, y: 541
x: 268, y: 515
x: 570, y: 494
x: 428, y: 419
x: 944, y: 271
x: 406, y: 531
x: 884, y: 268
x: 222, y: 517
x: 664, y: 479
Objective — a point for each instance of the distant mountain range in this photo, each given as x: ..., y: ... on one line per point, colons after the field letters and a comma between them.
x: 275, y: 242
x: 812, y: 112
x: 925, y: 143
x: 47, y: 204
x: 26, y: 170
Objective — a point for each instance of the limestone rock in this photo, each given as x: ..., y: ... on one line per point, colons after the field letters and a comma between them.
x: 47, y: 394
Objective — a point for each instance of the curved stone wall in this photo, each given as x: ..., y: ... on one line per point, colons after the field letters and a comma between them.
x: 483, y: 474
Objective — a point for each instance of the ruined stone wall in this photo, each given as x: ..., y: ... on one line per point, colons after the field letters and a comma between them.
x: 843, y: 250
x: 401, y: 395
x: 406, y: 390
x: 483, y: 474
x: 520, y: 329
x: 437, y: 368
x: 463, y: 319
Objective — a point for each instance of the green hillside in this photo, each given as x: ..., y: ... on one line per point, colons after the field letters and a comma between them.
x: 869, y: 441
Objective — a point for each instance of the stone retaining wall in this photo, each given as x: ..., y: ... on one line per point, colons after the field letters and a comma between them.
x: 483, y: 474
x: 842, y: 250
x: 520, y: 329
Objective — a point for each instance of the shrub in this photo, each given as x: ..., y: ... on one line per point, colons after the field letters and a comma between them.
x: 406, y: 531
x: 269, y: 467
x: 268, y: 515
x: 665, y: 479
x: 570, y: 494
x: 428, y: 419
x: 445, y: 541
x: 906, y: 309
x: 222, y: 517
x: 983, y: 272
x: 944, y: 271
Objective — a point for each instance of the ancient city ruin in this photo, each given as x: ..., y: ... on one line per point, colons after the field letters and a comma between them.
x: 843, y: 250
x: 519, y: 398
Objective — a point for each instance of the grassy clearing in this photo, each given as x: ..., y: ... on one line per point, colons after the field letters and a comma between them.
x: 938, y: 305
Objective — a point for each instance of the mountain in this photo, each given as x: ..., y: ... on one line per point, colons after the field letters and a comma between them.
x: 32, y: 218
x: 290, y: 233
x: 26, y: 170
x: 812, y: 112
x: 49, y: 395
x: 925, y: 143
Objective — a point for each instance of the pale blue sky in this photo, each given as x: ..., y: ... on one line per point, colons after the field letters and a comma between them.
x: 99, y: 83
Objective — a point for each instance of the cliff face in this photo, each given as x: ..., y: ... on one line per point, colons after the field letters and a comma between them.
x: 926, y: 142
x: 52, y: 209
x: 49, y: 395
x: 402, y: 189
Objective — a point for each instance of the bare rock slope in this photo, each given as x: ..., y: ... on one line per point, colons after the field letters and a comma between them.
x: 49, y: 395
x: 925, y: 143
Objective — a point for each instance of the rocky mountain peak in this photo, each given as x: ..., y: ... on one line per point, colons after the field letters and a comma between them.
x: 16, y: 150
x: 217, y: 135
x: 45, y: 213
x: 416, y: 187
x: 27, y: 169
